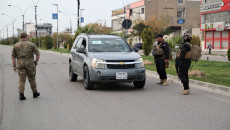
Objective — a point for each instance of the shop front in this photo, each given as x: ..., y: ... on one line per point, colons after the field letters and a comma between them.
x: 215, y: 22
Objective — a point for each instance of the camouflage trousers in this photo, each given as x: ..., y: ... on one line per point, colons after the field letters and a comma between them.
x: 25, y: 71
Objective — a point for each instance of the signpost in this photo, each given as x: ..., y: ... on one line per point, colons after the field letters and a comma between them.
x: 180, y: 21
x: 54, y: 16
x: 126, y: 24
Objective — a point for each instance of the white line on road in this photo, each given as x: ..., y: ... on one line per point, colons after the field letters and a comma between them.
x: 220, y: 99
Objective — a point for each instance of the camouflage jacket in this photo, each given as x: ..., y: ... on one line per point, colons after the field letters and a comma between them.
x: 24, y: 51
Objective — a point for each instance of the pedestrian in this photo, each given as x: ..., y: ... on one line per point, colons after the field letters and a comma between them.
x: 161, y: 58
x: 23, y: 53
x: 210, y: 48
x: 183, y: 63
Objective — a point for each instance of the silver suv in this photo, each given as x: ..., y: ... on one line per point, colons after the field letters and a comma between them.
x: 105, y: 58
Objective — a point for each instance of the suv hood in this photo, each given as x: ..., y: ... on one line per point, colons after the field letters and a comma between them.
x: 115, y: 55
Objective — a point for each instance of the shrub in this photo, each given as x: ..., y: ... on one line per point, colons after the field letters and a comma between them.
x: 176, y: 40
x: 70, y: 43
x: 195, y: 40
x: 228, y: 54
x: 48, y: 42
x: 147, y: 37
x: 35, y: 41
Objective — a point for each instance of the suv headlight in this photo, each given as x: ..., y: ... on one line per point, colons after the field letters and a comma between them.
x: 97, y: 63
x: 141, y: 64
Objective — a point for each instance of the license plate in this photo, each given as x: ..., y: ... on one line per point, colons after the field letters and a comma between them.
x: 121, y: 75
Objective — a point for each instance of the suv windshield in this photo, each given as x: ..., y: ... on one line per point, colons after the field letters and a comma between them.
x: 108, y: 45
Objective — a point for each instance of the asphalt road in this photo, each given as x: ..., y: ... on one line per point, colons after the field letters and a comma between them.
x: 65, y: 105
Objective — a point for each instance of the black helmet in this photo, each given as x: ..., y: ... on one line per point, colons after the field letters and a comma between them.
x: 187, y: 38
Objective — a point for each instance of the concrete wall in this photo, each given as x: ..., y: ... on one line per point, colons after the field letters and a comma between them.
x: 157, y: 8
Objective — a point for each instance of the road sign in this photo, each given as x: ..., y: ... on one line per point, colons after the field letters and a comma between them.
x: 55, y: 16
x: 126, y: 24
x: 180, y: 21
x: 82, y: 20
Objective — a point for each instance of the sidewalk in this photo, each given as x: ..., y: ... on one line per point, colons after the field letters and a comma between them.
x: 217, y: 56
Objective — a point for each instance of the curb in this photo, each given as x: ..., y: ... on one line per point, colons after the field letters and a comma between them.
x: 57, y: 53
x: 214, y: 88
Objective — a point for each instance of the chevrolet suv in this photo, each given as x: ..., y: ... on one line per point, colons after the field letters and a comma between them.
x: 105, y: 58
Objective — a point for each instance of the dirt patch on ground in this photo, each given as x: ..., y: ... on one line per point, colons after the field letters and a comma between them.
x: 147, y: 62
x: 197, y: 73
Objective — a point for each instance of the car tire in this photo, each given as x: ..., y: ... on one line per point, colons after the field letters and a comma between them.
x: 72, y: 76
x: 139, y: 84
x: 88, y: 85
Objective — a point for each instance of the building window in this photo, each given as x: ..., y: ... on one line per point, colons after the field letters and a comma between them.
x: 180, y: 14
x: 142, y: 10
x: 210, y: 1
x: 216, y: 17
x: 180, y: 1
x: 131, y: 12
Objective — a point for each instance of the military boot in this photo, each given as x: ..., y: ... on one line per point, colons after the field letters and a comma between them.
x: 186, y: 92
x: 165, y: 82
x: 36, y: 94
x: 161, y: 82
x: 21, y: 96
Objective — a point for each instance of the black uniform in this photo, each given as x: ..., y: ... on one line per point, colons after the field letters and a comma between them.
x: 184, y: 64
x: 160, y: 63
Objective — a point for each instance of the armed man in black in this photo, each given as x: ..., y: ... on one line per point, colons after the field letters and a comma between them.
x: 161, y: 57
x: 183, y: 63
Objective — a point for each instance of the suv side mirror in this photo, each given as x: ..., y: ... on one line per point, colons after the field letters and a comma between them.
x: 135, y: 49
x: 81, y: 50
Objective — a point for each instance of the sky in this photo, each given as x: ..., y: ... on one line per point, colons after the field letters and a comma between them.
x: 95, y: 11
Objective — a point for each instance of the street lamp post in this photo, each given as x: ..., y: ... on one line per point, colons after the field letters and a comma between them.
x: 23, y: 15
x: 36, y: 21
x: 70, y: 29
x: 12, y: 24
x: 57, y: 23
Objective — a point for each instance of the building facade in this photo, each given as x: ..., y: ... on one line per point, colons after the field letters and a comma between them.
x: 215, y: 22
x: 186, y: 10
x: 134, y: 11
x: 42, y: 30
x: 118, y: 16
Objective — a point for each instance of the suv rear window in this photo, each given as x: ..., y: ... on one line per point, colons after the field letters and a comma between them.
x: 108, y: 45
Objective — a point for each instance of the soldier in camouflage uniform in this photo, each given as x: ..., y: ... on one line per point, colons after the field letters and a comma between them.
x: 24, y: 52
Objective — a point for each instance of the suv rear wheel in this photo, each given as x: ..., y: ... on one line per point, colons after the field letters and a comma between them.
x: 72, y: 76
x: 86, y: 79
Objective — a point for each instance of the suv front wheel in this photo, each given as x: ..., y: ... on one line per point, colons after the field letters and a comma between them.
x: 86, y: 79
x: 139, y: 84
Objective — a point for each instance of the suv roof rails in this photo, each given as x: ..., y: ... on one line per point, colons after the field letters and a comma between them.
x: 87, y: 34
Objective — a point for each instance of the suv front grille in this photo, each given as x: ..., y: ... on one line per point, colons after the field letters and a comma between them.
x: 129, y: 66
x: 119, y: 60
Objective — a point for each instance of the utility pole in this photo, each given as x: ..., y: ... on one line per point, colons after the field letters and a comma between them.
x: 36, y: 25
x: 78, y: 14
x: 57, y: 24
x: 36, y: 21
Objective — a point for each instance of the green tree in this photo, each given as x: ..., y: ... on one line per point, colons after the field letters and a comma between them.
x: 158, y: 25
x: 148, y: 38
x: 138, y: 29
x: 48, y: 42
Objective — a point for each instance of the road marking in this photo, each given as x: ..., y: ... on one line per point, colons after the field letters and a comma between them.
x: 220, y: 99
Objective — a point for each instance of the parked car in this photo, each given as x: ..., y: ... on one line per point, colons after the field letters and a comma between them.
x: 105, y: 58
x: 138, y: 45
